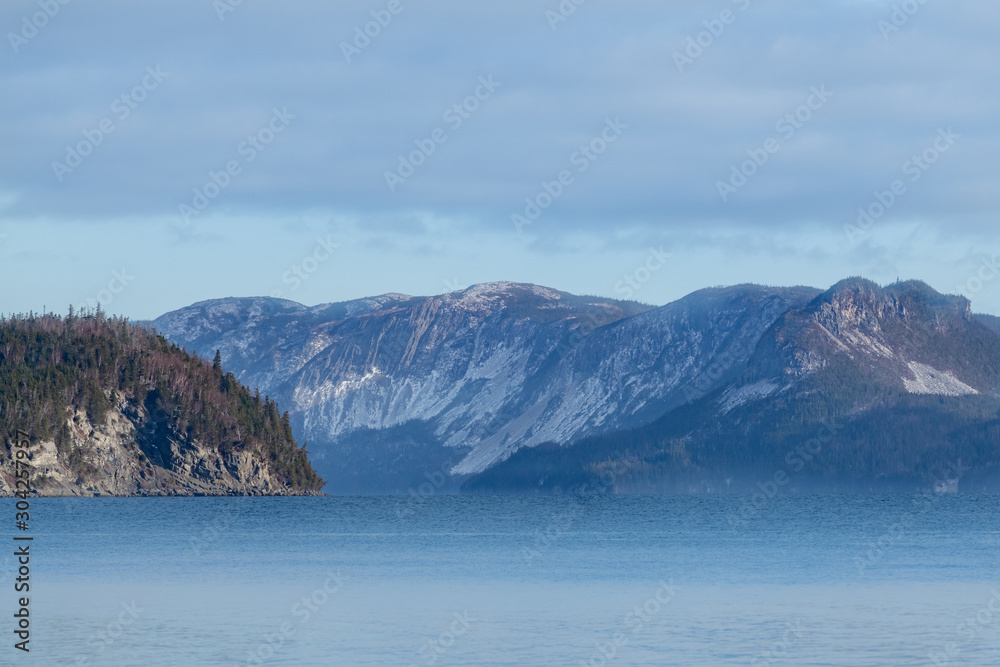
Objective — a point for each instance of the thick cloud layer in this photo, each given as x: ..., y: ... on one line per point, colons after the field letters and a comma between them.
x: 547, y: 125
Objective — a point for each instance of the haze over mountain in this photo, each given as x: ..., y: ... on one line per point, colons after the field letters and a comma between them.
x: 392, y: 389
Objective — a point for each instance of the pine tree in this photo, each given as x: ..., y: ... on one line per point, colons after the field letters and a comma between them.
x: 50, y: 370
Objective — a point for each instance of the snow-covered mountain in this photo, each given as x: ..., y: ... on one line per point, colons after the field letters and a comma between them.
x: 388, y: 389
x: 863, y: 387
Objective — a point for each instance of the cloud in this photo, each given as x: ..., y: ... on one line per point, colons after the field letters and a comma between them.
x: 353, y: 120
x: 558, y: 85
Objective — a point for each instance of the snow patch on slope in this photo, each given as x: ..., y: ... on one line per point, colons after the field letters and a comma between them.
x: 867, y: 343
x: 490, y: 297
x: 353, y: 384
x: 734, y: 398
x: 929, y: 380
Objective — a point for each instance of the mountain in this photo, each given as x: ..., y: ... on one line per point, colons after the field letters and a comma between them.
x: 990, y: 321
x: 861, y: 388
x: 112, y: 409
x: 391, y: 390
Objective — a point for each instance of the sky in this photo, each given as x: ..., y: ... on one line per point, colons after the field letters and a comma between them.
x: 161, y: 153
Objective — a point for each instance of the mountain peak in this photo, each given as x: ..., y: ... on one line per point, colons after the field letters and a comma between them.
x: 881, y: 332
x: 856, y: 284
x: 507, y: 287
x: 916, y: 289
x: 492, y: 297
x: 858, y: 299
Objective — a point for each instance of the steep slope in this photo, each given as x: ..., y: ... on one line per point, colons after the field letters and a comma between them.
x: 863, y: 387
x: 265, y: 341
x: 111, y: 409
x: 467, y: 378
x: 990, y: 321
x: 906, y: 337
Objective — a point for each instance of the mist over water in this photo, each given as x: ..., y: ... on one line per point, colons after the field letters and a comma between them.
x: 494, y: 580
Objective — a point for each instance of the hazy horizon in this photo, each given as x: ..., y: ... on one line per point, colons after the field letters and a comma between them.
x: 57, y: 311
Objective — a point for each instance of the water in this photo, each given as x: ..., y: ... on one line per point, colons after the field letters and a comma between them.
x: 797, y: 581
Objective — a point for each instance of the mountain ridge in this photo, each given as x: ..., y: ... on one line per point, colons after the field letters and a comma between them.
x: 478, y: 381
x: 907, y: 380
x: 501, y: 365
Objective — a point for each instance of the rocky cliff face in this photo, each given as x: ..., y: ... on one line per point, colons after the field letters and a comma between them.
x: 862, y: 388
x: 483, y: 371
x: 904, y: 337
x: 111, y: 409
x: 129, y: 454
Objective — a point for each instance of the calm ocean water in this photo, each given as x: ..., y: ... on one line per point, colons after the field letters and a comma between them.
x: 450, y: 580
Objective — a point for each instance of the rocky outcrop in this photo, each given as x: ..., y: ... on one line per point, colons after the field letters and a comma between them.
x: 112, y: 408
x: 905, y: 336
x: 130, y: 454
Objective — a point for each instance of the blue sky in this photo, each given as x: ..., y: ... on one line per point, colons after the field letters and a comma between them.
x: 160, y: 153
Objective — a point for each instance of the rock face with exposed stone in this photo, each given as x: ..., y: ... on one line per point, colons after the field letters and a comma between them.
x: 129, y: 455
x: 109, y: 408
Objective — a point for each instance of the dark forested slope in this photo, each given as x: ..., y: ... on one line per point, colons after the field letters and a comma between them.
x: 112, y: 408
